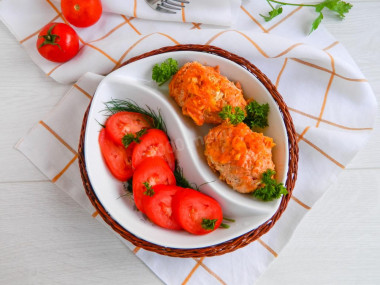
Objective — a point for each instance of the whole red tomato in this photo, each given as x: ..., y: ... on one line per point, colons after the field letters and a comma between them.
x: 81, y: 13
x: 58, y: 42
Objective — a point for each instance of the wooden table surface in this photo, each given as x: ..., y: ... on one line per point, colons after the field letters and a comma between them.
x: 46, y: 238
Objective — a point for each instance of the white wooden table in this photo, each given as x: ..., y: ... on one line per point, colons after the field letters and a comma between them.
x: 46, y: 238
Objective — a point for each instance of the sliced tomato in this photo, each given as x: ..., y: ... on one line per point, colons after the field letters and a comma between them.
x: 158, y: 206
x: 153, y: 170
x: 117, y: 158
x: 122, y: 123
x: 196, y: 212
x: 153, y: 143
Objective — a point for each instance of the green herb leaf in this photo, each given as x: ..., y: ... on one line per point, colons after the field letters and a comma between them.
x: 274, y: 13
x: 270, y: 189
x: 130, y: 138
x: 338, y: 6
x: 164, y: 71
x: 257, y: 115
x: 149, y: 190
x: 316, y: 23
x: 208, y: 224
x: 181, y: 181
x: 235, y: 116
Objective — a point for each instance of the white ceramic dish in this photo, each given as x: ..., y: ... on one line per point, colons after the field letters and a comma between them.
x: 133, y: 81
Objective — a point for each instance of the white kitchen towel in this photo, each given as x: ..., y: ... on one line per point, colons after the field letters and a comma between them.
x: 332, y: 105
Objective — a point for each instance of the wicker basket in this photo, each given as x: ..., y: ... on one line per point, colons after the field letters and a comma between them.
x: 237, y: 242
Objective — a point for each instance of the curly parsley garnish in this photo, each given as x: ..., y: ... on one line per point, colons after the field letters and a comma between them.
x: 130, y: 138
x: 208, y: 224
x: 338, y: 6
x: 235, y: 116
x: 162, y: 72
x: 270, y: 189
x: 257, y: 115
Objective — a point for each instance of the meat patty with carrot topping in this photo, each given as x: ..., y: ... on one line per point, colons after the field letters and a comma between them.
x: 201, y: 91
x: 239, y: 154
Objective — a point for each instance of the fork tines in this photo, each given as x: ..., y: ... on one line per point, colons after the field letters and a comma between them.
x: 168, y: 6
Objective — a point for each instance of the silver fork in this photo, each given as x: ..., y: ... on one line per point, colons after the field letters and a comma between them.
x: 166, y: 6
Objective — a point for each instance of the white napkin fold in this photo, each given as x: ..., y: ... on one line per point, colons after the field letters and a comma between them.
x: 329, y: 99
x: 215, y: 12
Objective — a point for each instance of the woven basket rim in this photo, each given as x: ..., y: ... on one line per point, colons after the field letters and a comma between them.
x: 237, y: 242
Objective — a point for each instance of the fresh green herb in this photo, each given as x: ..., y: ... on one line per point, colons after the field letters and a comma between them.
x: 130, y: 138
x: 117, y: 105
x: 128, y: 185
x: 229, y: 220
x: 257, y: 115
x: 270, y: 189
x: 208, y: 224
x: 224, y: 226
x: 149, y: 190
x: 181, y: 181
x: 162, y: 72
x: 338, y: 6
x: 235, y: 116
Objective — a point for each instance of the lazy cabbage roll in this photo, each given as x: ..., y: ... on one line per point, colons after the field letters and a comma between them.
x: 239, y: 155
x: 201, y: 91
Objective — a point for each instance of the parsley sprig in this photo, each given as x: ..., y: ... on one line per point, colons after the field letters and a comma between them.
x: 130, y: 138
x: 235, y: 115
x: 270, y: 189
x: 149, y: 190
x: 164, y: 71
x: 209, y: 224
x: 338, y: 6
x: 255, y: 115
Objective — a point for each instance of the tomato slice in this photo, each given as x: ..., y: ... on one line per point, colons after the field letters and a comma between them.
x: 196, y: 212
x: 158, y: 206
x: 153, y: 170
x: 122, y: 123
x: 153, y: 143
x: 117, y: 158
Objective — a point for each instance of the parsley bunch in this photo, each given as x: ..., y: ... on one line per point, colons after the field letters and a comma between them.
x: 162, y: 72
x: 271, y: 189
x: 338, y: 6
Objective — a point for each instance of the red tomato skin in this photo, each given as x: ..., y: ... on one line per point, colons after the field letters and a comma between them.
x: 158, y: 207
x: 190, y: 207
x: 117, y: 158
x: 81, y: 13
x: 154, y: 143
x: 122, y: 123
x: 67, y: 43
x: 153, y: 170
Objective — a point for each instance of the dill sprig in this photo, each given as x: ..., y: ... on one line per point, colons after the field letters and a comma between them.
x: 118, y: 105
x: 181, y: 180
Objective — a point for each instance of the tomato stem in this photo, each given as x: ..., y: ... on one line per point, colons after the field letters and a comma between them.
x: 49, y: 38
